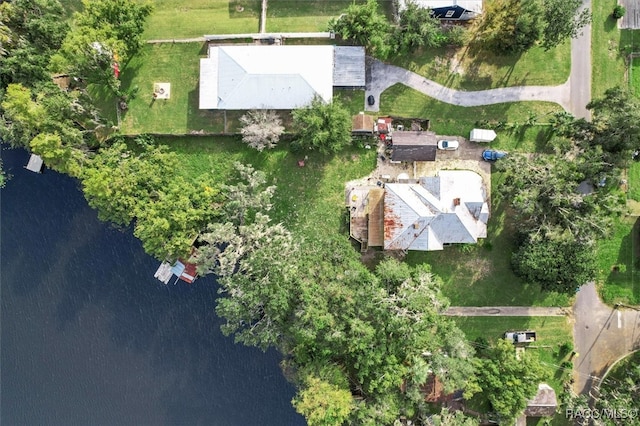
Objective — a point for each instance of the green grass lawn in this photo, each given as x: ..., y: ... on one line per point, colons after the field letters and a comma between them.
x: 617, y: 263
x: 481, y: 274
x: 449, y: 119
x: 633, y: 178
x: 466, y: 68
x: 179, y: 65
x: 178, y: 19
x: 309, y: 15
x: 552, y: 332
x: 634, y: 77
x: 309, y: 200
x: 608, y: 65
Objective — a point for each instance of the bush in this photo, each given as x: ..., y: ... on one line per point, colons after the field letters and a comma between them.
x: 618, y: 12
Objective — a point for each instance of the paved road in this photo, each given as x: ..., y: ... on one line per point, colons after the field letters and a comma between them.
x: 602, y: 335
x: 580, y: 77
x: 505, y: 311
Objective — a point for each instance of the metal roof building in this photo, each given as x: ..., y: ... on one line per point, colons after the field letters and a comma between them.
x: 276, y: 77
x: 456, y: 10
x: 444, y: 209
x: 414, y: 146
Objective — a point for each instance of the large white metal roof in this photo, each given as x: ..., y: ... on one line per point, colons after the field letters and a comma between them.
x: 265, y: 77
x: 448, y: 208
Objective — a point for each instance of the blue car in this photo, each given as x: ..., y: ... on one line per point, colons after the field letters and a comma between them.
x: 492, y: 155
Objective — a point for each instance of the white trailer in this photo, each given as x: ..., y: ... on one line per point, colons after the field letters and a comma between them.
x: 482, y: 135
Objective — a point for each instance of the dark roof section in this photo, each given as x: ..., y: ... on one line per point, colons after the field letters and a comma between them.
x: 414, y: 146
x: 348, y: 66
x: 543, y: 404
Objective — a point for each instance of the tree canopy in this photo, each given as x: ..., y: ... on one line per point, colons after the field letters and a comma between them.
x: 169, y: 213
x: 365, y: 25
x: 416, y: 28
x: 325, y: 127
x: 514, y: 26
x: 31, y: 31
x: 507, y: 381
x: 261, y: 129
x: 558, y: 225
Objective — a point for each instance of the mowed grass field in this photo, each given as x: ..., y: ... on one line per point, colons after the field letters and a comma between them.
x: 311, y: 15
x: 468, y: 68
x: 178, y: 64
x: 173, y: 19
x: 447, y: 119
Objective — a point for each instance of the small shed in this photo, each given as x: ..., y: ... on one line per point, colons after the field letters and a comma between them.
x: 482, y: 135
x: 362, y: 124
x: 544, y: 404
x: 34, y: 164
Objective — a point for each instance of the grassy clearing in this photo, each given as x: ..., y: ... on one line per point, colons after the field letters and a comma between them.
x: 179, y: 65
x: 608, y: 64
x: 634, y: 181
x: 178, y: 19
x: 634, y: 77
x: 617, y: 263
x: 309, y: 15
x: 449, y: 119
x: 481, y: 274
x: 467, y: 68
x: 309, y: 200
x: 552, y: 332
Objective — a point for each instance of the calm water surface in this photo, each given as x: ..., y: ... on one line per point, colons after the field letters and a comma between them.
x: 89, y: 337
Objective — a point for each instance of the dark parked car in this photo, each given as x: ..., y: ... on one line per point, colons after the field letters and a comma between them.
x: 371, y: 100
x: 492, y: 155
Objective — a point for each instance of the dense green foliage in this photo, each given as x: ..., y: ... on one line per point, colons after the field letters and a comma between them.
x: 325, y: 127
x: 514, y: 26
x: 507, y: 381
x: 511, y: 26
x: 169, y: 212
x: 564, y: 20
x: 558, y: 225
x: 416, y: 28
x: 618, y: 12
x: 323, y: 403
x: 620, y: 392
x: 106, y: 32
x: 30, y: 33
x: 364, y: 25
x: 59, y: 126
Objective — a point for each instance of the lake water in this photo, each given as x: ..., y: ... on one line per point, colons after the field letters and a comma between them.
x: 89, y: 337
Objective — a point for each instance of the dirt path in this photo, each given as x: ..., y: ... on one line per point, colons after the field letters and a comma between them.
x: 505, y: 311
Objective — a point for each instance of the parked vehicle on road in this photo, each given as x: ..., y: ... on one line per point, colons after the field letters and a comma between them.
x: 492, y: 155
x: 448, y: 145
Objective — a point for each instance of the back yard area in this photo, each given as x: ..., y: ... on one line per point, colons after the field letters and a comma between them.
x: 553, y: 347
x: 310, y: 199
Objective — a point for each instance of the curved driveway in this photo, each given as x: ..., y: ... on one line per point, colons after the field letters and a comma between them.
x: 573, y: 95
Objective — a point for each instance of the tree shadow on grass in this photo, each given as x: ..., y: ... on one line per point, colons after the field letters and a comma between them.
x: 622, y: 280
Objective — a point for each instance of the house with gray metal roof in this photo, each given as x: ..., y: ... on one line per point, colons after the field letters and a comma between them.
x: 236, y: 77
x: 444, y: 209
